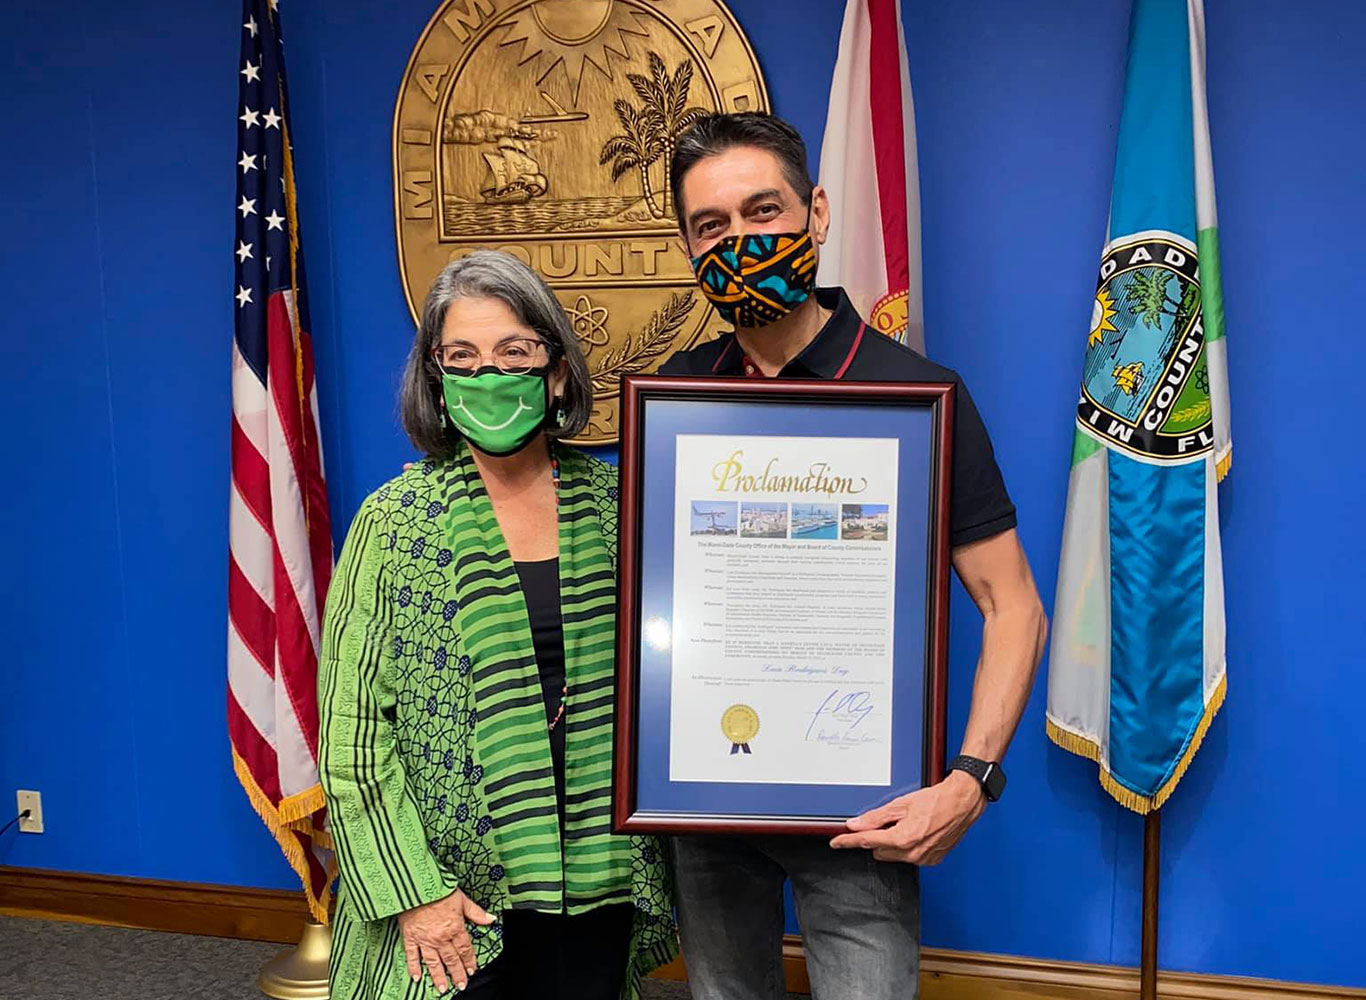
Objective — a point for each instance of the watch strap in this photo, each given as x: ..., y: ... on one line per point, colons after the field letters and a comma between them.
x: 988, y: 774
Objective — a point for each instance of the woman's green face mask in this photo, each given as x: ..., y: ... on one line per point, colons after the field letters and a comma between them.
x: 498, y: 413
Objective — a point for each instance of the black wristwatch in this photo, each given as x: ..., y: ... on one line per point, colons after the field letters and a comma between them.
x: 987, y: 772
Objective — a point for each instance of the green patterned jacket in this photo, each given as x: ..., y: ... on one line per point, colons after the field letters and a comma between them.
x: 433, y: 747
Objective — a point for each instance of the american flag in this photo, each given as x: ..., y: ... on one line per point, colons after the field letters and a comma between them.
x: 280, y: 557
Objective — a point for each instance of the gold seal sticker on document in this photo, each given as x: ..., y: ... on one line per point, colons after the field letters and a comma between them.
x: 740, y: 724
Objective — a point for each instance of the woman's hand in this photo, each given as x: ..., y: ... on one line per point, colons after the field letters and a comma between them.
x: 435, y: 935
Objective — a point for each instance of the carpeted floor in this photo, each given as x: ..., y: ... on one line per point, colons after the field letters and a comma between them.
x: 53, y: 961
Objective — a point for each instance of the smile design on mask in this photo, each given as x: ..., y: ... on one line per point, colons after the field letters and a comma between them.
x: 757, y: 279
x: 492, y: 428
x: 497, y: 413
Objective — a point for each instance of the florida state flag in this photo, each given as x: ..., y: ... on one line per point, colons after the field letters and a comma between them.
x: 868, y: 166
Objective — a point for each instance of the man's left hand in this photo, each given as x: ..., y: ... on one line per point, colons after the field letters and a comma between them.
x: 922, y: 827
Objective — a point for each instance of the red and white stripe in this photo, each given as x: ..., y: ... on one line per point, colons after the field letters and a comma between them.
x: 279, y: 567
x: 868, y: 168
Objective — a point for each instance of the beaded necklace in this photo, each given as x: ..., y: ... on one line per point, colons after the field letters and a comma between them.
x: 564, y: 692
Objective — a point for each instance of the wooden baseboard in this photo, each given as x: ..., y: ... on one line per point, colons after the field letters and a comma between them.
x: 278, y: 915
x: 960, y: 975
x: 965, y: 975
x: 150, y: 904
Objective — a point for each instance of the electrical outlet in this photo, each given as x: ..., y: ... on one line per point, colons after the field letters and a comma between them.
x: 33, y: 802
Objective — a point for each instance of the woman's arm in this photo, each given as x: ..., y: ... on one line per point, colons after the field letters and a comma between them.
x: 381, y: 845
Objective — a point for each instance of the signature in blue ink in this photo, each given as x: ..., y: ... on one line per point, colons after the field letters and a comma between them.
x: 844, y: 708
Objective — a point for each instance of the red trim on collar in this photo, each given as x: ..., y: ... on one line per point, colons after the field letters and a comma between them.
x: 852, y: 351
x: 722, y: 357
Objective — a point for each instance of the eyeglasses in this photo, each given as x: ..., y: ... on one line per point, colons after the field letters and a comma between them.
x: 511, y: 357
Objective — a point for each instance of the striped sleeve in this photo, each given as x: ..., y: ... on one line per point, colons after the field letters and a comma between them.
x: 381, y: 845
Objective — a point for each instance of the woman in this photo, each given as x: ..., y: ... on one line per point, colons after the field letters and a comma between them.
x: 466, y: 681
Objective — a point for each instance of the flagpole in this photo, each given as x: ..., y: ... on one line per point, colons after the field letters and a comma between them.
x: 1152, y: 855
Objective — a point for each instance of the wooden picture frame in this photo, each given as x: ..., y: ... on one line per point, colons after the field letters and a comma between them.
x: 650, y: 407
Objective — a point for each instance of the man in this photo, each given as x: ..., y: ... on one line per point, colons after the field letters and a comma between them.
x: 857, y: 896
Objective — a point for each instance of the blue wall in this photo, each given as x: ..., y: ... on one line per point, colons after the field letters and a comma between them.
x: 116, y: 281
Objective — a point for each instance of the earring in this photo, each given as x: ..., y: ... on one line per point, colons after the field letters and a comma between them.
x: 559, y: 416
x: 443, y: 418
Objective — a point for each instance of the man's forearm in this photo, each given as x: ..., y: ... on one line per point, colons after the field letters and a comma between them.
x: 1012, y: 644
x: 923, y: 826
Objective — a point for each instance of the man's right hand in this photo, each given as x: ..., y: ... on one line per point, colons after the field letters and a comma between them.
x: 435, y: 935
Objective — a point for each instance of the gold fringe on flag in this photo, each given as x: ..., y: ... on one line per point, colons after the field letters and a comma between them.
x: 293, y: 816
x: 1127, y: 797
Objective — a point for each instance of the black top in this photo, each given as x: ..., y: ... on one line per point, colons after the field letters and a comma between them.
x: 541, y: 588
x: 846, y: 348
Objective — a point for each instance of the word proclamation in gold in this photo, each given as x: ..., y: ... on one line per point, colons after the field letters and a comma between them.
x: 545, y: 128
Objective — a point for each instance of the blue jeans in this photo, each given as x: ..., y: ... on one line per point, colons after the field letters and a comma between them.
x: 860, y: 918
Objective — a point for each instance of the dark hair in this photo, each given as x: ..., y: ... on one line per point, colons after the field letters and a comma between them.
x: 488, y: 274
x: 715, y: 134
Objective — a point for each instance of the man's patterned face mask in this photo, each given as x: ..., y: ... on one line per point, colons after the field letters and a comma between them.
x: 757, y: 279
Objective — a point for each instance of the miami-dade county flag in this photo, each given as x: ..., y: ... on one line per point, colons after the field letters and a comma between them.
x: 280, y: 557
x: 868, y: 166
x: 1137, y: 666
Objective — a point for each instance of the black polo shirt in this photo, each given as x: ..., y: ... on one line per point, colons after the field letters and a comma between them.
x: 846, y: 348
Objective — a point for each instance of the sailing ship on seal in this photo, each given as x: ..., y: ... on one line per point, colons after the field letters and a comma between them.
x: 514, y: 175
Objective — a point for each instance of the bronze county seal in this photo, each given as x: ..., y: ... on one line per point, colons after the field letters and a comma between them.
x: 546, y: 128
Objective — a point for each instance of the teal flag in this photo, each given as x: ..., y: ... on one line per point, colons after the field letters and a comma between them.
x: 1137, y: 669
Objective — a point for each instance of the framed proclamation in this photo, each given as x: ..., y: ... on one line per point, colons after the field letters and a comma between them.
x: 783, y: 618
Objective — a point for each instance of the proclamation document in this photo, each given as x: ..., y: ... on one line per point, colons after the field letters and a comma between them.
x: 783, y: 597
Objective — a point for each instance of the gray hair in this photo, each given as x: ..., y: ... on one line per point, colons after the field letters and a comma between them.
x: 488, y: 274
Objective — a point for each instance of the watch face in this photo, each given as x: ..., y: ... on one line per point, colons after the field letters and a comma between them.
x: 994, y: 782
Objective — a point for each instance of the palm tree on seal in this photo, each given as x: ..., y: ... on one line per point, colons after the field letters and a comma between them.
x: 664, y: 101
x: 638, y: 146
x: 650, y: 133
x: 1147, y: 297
